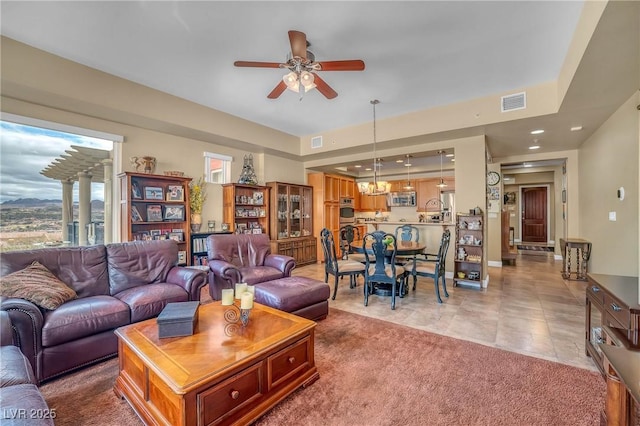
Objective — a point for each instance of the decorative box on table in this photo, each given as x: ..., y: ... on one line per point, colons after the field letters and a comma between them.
x: 178, y: 319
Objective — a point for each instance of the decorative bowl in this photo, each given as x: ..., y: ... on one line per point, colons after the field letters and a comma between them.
x: 461, y: 275
x: 174, y: 173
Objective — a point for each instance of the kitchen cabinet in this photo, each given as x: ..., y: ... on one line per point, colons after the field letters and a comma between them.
x: 428, y: 189
x: 156, y: 207
x: 371, y: 203
x: 291, y: 221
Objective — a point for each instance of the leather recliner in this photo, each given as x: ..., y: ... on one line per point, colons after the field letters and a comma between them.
x: 235, y: 258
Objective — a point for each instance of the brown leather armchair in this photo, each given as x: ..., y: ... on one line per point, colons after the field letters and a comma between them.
x: 243, y: 258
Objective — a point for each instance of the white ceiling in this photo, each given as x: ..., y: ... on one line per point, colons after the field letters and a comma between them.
x: 418, y: 54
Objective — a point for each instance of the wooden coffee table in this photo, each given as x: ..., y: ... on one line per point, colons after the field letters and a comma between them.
x: 220, y: 375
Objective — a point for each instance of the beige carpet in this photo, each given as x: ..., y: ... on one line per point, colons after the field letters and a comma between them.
x: 377, y: 373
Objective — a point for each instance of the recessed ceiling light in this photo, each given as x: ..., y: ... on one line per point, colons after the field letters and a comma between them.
x: 534, y: 147
x: 453, y: 159
x: 449, y: 155
x: 537, y: 132
x: 526, y: 165
x: 357, y: 166
x: 368, y: 168
x: 399, y: 161
x: 407, y: 164
x: 576, y: 128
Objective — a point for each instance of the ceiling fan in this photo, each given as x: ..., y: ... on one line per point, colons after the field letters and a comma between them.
x: 303, y: 67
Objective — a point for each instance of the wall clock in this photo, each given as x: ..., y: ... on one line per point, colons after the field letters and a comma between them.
x: 493, y: 178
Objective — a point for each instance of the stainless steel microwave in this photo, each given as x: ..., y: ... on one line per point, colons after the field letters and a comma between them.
x: 402, y: 199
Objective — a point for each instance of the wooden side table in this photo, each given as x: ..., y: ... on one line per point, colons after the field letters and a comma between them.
x: 583, y: 252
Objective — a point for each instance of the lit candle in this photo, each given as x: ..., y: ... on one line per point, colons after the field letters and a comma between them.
x: 251, y: 289
x: 227, y: 296
x: 247, y: 301
x: 240, y: 288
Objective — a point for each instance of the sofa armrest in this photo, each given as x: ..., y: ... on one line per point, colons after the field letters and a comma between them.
x: 191, y: 279
x: 222, y: 275
x: 6, y: 331
x: 27, y: 321
x: 281, y: 263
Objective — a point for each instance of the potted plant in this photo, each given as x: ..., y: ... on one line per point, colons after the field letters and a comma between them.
x: 197, y: 197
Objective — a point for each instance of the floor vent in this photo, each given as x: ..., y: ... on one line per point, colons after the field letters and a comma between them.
x: 316, y: 142
x: 513, y: 102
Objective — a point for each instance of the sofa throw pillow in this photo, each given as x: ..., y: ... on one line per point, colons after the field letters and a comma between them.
x: 38, y: 285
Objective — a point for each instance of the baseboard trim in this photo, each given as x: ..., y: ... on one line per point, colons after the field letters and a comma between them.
x: 495, y: 263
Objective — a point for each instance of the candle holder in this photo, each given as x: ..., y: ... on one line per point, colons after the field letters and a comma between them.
x: 234, y: 314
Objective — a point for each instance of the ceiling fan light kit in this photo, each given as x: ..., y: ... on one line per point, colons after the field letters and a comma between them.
x: 302, y: 68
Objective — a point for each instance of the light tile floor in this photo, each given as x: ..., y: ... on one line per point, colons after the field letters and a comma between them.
x: 527, y: 308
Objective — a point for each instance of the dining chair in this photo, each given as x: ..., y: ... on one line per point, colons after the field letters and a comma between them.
x: 349, y: 234
x: 338, y: 267
x: 433, y: 266
x: 407, y: 233
x: 380, y: 249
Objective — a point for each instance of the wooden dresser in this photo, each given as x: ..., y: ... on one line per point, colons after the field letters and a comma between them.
x: 612, y: 327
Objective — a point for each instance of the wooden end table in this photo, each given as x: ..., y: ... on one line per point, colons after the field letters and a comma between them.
x: 223, y: 374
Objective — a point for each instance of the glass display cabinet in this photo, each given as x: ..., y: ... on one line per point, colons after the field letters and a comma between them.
x: 291, y: 221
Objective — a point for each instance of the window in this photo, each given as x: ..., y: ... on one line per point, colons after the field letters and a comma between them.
x: 217, y: 168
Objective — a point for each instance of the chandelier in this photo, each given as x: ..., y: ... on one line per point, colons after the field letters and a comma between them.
x: 377, y: 187
x: 442, y: 183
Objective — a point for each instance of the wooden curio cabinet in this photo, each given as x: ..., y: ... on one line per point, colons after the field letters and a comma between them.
x: 156, y: 207
x: 245, y: 208
x: 291, y: 221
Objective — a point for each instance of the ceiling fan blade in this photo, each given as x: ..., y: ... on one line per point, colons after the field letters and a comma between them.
x: 349, y: 65
x: 277, y: 91
x: 298, y: 42
x: 323, y: 87
x: 257, y: 64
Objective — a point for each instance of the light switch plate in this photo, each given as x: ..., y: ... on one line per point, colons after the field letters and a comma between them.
x: 612, y: 216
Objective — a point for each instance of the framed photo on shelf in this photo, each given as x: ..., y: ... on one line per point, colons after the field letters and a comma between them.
x: 173, y: 212
x: 142, y: 236
x: 176, y: 236
x: 135, y: 214
x: 154, y: 213
x: 258, y: 198
x: 153, y: 193
x: 175, y: 193
x: 182, y: 256
x: 155, y: 232
x: 136, y: 192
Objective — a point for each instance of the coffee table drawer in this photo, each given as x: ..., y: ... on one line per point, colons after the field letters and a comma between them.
x: 224, y: 399
x: 289, y: 362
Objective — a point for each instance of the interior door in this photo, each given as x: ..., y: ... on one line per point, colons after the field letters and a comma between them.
x: 534, y: 214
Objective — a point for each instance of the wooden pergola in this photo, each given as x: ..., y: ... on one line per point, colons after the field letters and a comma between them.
x: 84, y: 165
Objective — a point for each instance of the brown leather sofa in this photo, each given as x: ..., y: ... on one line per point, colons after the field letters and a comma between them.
x: 21, y: 403
x: 116, y: 284
x: 235, y: 258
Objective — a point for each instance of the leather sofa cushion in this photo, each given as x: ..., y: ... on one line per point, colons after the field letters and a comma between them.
x: 17, y: 404
x: 259, y: 274
x: 84, y: 269
x: 137, y: 263
x: 243, y: 251
x: 83, y: 317
x: 291, y: 293
x: 148, y: 301
x: 14, y: 368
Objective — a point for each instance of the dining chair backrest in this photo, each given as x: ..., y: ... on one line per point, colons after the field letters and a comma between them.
x: 380, y: 249
x: 407, y: 233
x: 348, y: 234
x: 329, y: 250
x: 442, y: 251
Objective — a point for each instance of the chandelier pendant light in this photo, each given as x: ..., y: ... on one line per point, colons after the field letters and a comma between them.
x: 408, y: 186
x: 377, y: 187
x: 442, y: 183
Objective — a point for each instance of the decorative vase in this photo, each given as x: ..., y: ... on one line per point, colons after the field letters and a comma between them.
x: 196, y: 222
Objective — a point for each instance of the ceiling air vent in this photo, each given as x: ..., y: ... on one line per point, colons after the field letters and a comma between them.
x: 513, y: 102
x: 316, y: 142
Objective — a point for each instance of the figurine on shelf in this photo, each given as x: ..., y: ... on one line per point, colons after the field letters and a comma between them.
x: 248, y: 175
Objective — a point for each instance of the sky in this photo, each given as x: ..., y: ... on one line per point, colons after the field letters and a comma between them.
x: 25, y: 151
